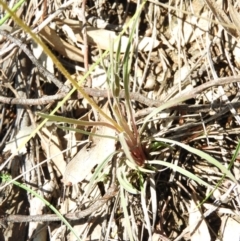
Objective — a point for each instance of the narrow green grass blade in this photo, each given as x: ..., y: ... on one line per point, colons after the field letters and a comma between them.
x: 98, y: 170
x: 145, y: 210
x: 181, y: 170
x: 126, y: 216
x: 127, y: 63
x: 203, y: 155
x: 85, y: 132
x: 64, y: 72
x: 164, y: 106
x: 7, y: 15
x: 121, y: 176
x: 223, y: 177
x: 7, y: 178
x: 138, y: 168
x: 74, y: 121
x: 234, y: 156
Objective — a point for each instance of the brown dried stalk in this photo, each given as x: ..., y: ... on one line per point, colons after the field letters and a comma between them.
x: 133, y: 96
x: 111, y: 192
x: 48, y: 75
x: 222, y: 17
x: 100, y: 93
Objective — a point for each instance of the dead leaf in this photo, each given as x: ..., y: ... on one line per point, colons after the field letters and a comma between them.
x: 76, y: 138
x: 197, y: 225
x: 14, y: 144
x: 64, y: 48
x: 52, y: 146
x: 42, y: 58
x: 231, y: 229
x: 68, y: 31
x: 88, y: 157
x: 102, y: 37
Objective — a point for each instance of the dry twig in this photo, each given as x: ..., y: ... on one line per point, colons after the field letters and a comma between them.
x: 111, y: 192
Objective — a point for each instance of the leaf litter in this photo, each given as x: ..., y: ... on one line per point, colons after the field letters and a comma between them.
x: 177, y: 61
x: 92, y: 154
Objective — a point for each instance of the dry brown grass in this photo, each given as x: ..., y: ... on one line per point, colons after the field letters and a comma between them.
x: 178, y: 52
